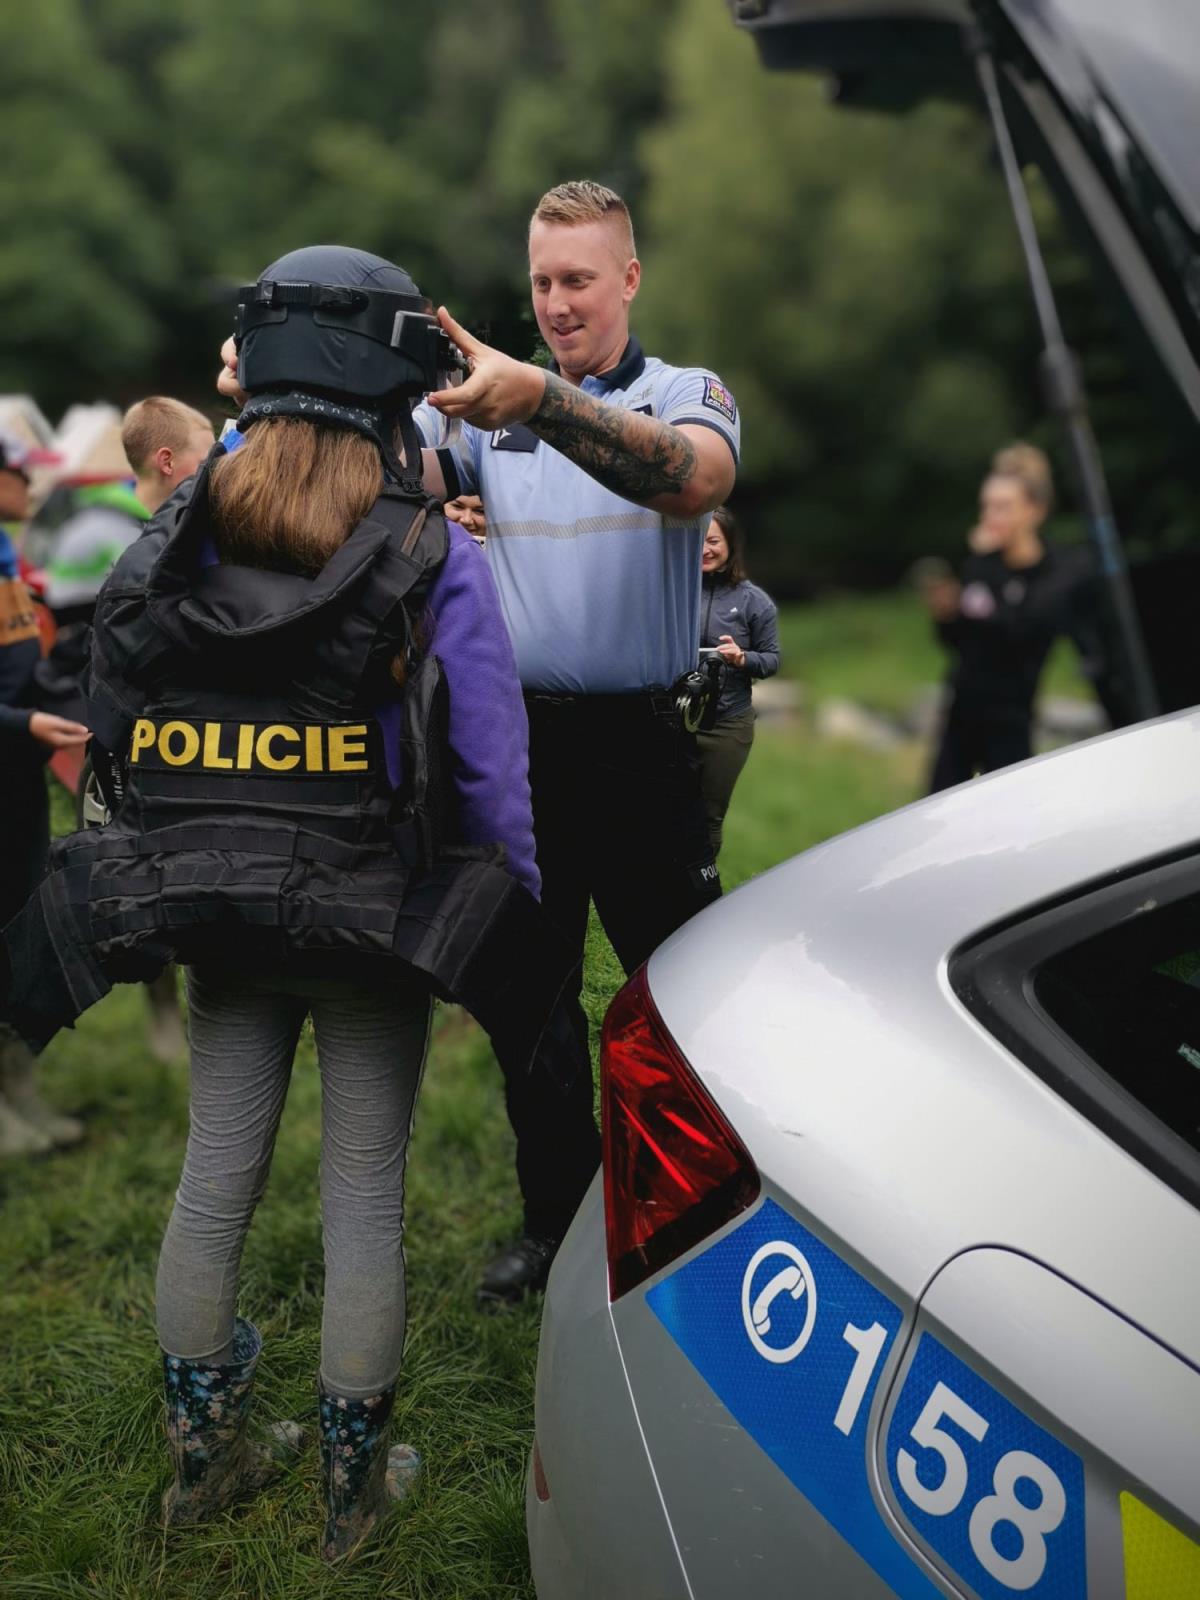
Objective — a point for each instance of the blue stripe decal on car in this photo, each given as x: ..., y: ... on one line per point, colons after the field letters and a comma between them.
x: 997, y: 1497
x: 792, y: 1340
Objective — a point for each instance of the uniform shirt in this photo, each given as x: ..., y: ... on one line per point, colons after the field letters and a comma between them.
x: 601, y: 596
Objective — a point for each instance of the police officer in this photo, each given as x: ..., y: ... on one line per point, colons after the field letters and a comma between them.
x: 318, y: 814
x: 597, y: 476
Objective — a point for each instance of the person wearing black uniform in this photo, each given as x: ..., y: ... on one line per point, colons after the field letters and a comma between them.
x: 28, y: 737
x: 310, y: 732
x: 1015, y: 598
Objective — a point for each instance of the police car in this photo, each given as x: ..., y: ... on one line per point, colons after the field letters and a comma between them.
x: 891, y: 1283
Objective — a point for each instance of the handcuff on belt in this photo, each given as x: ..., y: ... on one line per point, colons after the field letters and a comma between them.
x: 695, y: 694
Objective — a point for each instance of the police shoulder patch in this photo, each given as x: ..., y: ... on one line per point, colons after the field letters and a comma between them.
x: 718, y: 398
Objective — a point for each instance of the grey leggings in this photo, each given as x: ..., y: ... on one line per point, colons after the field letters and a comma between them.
x: 371, y: 1048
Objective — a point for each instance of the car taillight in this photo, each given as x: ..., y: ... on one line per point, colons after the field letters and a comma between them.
x: 674, y: 1170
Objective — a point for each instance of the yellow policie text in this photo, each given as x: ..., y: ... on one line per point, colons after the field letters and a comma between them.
x: 313, y: 748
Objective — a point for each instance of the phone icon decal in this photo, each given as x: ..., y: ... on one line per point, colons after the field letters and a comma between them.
x: 762, y: 1294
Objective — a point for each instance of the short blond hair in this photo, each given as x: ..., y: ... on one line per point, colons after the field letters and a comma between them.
x: 158, y: 420
x: 581, y: 200
x: 1030, y: 467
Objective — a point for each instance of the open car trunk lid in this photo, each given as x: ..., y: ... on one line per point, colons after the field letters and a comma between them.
x: 1103, y: 96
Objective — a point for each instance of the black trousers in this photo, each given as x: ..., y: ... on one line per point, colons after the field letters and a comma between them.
x: 24, y: 830
x: 980, y: 739
x: 619, y: 819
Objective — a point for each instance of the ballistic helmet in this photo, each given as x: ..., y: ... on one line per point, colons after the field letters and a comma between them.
x: 344, y: 338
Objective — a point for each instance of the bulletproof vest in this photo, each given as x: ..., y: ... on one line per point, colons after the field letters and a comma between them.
x: 255, y: 689
x: 257, y: 824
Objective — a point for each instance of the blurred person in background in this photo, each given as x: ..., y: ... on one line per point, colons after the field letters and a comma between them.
x: 1015, y: 596
x: 740, y: 622
x: 165, y: 442
x: 28, y: 1126
x: 467, y: 510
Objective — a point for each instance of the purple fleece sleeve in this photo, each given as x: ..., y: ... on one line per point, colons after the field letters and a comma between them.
x: 489, y: 732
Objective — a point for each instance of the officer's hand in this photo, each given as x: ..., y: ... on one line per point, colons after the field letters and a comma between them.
x: 227, y: 378
x: 57, y: 732
x: 497, y: 390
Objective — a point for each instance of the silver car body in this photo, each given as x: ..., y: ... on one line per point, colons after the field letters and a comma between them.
x: 989, y: 1273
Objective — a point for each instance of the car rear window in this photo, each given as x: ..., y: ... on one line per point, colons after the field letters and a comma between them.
x: 1130, y: 998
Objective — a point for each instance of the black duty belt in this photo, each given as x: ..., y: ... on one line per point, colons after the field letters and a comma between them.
x: 659, y: 702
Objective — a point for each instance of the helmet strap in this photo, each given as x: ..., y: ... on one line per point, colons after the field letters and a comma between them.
x: 379, y: 426
x: 410, y: 476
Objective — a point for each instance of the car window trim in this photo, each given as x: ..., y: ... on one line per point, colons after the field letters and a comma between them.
x: 993, y: 976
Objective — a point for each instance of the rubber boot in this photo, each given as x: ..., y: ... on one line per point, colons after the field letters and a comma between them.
x: 18, y: 1085
x: 214, y: 1460
x: 18, y: 1137
x: 363, y: 1478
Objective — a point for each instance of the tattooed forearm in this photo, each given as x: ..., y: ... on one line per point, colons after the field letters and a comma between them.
x: 631, y: 454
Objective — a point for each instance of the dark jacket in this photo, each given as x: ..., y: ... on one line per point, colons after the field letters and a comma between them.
x: 1008, y: 620
x: 748, y: 615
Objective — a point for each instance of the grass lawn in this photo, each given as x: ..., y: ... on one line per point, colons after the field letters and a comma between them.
x: 82, y: 1463
x: 880, y: 650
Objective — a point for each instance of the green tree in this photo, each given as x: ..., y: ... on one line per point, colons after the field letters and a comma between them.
x: 82, y: 255
x: 854, y: 278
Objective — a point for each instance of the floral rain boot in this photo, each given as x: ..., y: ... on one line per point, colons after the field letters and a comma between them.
x: 207, y: 1407
x: 361, y: 1475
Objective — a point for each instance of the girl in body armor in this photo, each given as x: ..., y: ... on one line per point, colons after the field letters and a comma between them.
x: 321, y: 806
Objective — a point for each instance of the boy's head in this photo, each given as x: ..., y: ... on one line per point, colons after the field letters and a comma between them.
x: 165, y: 442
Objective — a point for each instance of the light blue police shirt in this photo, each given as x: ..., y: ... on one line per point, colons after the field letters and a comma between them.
x: 601, y: 596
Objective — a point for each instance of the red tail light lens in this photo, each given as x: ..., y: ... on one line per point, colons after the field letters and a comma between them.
x: 674, y: 1170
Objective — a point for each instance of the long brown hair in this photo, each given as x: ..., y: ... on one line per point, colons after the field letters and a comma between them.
x: 734, y: 570
x: 290, y: 496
